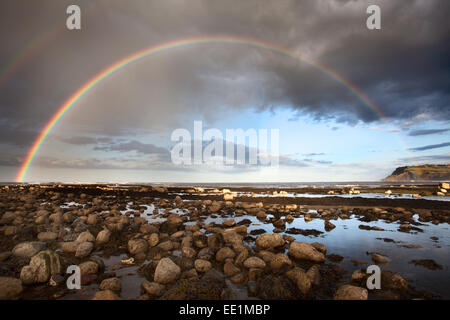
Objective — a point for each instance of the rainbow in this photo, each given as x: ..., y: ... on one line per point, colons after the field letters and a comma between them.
x: 19, y: 60
x: 36, y: 45
x: 67, y: 105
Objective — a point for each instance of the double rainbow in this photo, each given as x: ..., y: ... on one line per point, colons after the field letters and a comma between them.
x: 67, y: 105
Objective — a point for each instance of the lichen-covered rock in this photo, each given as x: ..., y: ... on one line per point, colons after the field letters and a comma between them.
x: 42, y: 266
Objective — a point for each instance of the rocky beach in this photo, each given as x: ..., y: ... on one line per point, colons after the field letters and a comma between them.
x: 224, y: 242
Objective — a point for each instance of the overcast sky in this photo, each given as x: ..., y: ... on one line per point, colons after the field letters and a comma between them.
x: 120, y: 130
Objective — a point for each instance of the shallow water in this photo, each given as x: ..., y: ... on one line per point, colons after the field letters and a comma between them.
x: 314, y: 195
x: 351, y: 242
x: 131, y: 281
x: 348, y: 241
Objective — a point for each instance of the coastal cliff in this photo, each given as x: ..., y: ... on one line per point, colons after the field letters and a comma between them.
x: 425, y: 172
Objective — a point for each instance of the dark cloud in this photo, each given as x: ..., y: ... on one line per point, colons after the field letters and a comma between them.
x: 7, y: 160
x: 80, y: 140
x: 134, y: 145
x: 431, y: 146
x: 425, y: 132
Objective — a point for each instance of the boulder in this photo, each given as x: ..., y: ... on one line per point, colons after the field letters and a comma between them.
x: 242, y: 256
x: 69, y: 247
x: 85, y: 236
x: 84, y: 249
x: 103, y: 237
x: 152, y: 288
x: 254, y: 262
x: 313, y: 274
x: 229, y: 223
x: 8, y: 217
x: 215, y: 242
x: 105, y: 295
x: 153, y: 240
x: 280, y: 261
x: 358, y: 276
x: 393, y: 281
x: 188, y: 252
x: 42, y: 266
x: 47, y: 236
x: 349, y: 292
x: 232, y: 237
x: 300, y: 278
x: 113, y: 284
x: 329, y: 226
x: 137, y: 246
x: 88, y: 267
x: 166, y: 245
x: 166, y: 271
x: 230, y: 269
x: 148, y: 229
x: 267, y: 241
x: 444, y: 185
x: 224, y: 253
x: 378, y: 258
x: 28, y: 249
x: 320, y: 247
x: 305, y: 251
x: 92, y: 219
x: 202, y: 265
